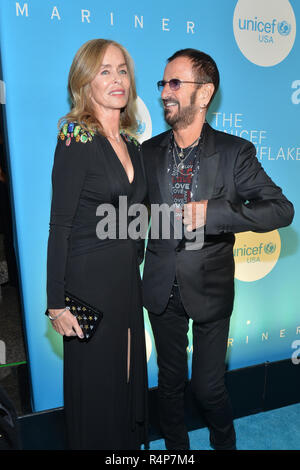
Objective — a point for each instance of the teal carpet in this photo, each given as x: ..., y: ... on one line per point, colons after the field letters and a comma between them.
x: 270, y: 430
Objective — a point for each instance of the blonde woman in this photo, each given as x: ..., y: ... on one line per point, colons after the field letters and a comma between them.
x: 105, y: 378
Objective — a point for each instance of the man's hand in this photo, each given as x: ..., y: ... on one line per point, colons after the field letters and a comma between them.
x: 194, y: 215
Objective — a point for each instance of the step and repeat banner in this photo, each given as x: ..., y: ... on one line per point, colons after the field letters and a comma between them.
x: 256, y: 47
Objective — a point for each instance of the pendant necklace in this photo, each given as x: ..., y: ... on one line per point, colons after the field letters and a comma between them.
x: 182, y: 158
x: 181, y: 154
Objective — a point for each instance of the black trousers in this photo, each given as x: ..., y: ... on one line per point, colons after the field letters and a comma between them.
x: 208, y: 370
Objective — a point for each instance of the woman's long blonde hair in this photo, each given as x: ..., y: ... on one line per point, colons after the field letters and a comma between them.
x: 85, y: 66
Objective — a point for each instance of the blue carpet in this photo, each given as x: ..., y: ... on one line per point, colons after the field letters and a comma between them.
x: 271, y: 430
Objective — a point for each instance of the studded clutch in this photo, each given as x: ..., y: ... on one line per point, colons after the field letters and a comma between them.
x: 88, y: 317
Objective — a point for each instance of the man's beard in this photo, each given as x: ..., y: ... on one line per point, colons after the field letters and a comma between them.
x: 184, y: 117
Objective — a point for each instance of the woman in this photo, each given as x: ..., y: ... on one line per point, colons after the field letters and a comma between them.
x: 105, y: 378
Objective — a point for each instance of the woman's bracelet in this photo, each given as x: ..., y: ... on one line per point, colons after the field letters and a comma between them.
x: 57, y: 316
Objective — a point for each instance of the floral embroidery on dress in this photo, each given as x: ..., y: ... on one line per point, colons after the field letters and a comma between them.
x: 72, y: 130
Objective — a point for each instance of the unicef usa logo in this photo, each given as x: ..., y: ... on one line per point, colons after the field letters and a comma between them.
x: 269, y: 248
x: 264, y: 30
x: 284, y: 28
x: 144, y: 130
x: 255, y: 254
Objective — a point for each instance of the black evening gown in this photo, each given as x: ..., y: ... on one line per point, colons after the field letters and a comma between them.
x: 105, y: 405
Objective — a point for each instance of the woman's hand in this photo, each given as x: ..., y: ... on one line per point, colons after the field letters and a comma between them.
x: 66, y: 324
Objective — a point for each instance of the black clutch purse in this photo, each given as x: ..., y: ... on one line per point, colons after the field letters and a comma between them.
x: 88, y: 317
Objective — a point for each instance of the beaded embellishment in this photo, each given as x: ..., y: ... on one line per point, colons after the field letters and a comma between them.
x: 130, y: 138
x: 72, y: 130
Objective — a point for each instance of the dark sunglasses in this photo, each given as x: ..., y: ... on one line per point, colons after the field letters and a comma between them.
x: 174, y: 84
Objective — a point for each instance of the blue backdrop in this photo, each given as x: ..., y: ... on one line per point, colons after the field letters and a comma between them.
x: 257, y: 50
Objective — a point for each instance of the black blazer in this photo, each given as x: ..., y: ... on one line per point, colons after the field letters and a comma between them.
x: 241, y: 197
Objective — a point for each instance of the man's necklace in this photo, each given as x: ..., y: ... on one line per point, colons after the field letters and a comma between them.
x: 181, y: 156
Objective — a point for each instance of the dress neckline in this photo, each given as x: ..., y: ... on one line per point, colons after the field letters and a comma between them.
x: 122, y: 166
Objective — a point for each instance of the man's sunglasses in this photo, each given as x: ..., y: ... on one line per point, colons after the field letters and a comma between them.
x: 174, y: 84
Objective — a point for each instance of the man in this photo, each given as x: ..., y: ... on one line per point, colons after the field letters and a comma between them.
x: 216, y: 178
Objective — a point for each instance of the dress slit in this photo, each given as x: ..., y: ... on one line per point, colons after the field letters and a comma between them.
x: 128, y: 354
